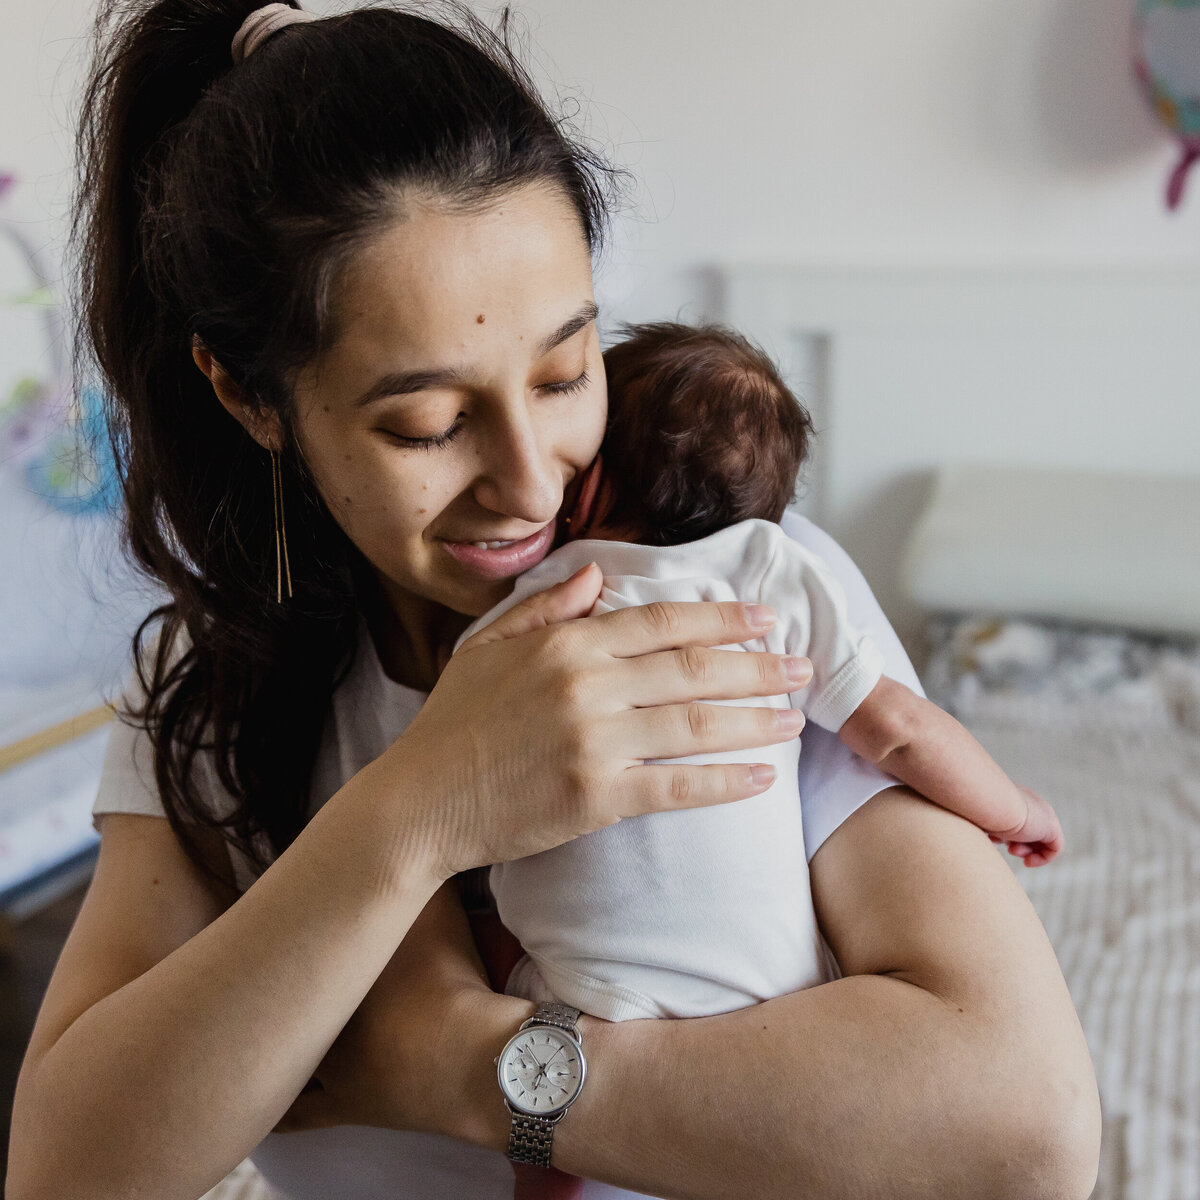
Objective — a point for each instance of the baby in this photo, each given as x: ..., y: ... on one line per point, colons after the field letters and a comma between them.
x: 700, y: 911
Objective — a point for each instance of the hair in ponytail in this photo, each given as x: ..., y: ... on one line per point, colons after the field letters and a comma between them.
x: 222, y: 202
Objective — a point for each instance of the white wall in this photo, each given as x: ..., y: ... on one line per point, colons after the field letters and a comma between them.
x: 938, y: 132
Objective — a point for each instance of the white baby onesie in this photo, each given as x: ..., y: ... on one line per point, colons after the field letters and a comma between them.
x: 704, y: 910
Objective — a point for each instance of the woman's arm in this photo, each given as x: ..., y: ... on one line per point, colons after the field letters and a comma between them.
x: 178, y: 1027
x: 948, y: 1063
x: 174, y: 1034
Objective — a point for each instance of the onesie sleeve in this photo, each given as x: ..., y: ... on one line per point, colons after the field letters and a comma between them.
x: 834, y: 782
x: 814, y: 620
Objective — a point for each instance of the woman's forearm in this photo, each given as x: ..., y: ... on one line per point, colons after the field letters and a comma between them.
x: 866, y: 1086
x: 164, y: 1085
x: 948, y: 1063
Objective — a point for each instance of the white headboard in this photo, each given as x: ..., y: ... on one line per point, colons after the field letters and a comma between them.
x: 906, y: 370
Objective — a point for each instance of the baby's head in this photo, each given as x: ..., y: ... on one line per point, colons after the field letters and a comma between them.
x: 702, y: 433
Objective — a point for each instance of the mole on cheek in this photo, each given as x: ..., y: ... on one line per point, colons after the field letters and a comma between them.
x: 422, y: 511
x: 479, y: 319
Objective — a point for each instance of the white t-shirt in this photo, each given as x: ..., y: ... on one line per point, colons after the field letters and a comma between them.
x: 705, y: 910
x: 367, y: 713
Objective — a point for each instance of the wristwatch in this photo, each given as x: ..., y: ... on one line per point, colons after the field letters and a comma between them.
x: 541, y: 1072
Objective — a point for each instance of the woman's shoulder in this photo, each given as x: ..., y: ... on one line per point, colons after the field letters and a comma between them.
x: 813, y: 538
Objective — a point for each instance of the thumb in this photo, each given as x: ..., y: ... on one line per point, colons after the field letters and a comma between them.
x: 564, y: 601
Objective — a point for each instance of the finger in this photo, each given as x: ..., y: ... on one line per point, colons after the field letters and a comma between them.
x: 699, y: 672
x: 669, y: 624
x: 564, y: 601
x: 680, y: 730
x: 663, y: 787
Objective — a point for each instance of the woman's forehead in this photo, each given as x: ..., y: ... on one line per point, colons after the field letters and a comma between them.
x: 432, y: 282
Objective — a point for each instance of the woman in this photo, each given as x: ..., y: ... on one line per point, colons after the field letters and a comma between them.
x: 375, y: 246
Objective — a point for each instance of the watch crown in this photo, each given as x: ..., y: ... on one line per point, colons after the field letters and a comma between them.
x: 496, y: 1061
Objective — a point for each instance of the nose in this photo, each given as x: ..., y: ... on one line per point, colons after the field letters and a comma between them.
x: 519, y: 474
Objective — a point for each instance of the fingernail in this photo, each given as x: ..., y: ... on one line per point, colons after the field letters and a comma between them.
x: 798, y: 670
x: 581, y: 570
x: 762, y: 776
x: 791, y: 720
x: 760, y: 616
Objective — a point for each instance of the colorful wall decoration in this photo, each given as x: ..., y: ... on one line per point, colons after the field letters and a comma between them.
x: 1167, y: 62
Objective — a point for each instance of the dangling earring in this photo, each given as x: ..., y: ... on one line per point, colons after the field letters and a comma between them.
x: 280, y: 531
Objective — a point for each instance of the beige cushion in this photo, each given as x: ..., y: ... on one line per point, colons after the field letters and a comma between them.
x: 1089, y: 546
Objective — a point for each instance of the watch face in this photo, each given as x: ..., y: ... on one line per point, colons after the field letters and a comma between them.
x: 541, y: 1070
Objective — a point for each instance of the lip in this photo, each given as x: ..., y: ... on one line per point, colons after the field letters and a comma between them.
x: 507, y: 560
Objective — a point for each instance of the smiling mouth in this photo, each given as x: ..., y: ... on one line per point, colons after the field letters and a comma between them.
x: 501, y: 558
x: 495, y: 545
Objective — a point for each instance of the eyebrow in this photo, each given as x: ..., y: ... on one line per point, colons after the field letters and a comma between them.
x: 570, y: 327
x: 403, y: 383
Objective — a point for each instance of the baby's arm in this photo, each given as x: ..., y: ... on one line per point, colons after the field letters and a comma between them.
x: 921, y: 745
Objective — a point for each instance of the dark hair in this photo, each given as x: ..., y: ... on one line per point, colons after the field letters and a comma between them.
x: 702, y: 432
x: 223, y: 202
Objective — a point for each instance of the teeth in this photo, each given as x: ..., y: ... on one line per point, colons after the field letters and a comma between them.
x: 494, y: 545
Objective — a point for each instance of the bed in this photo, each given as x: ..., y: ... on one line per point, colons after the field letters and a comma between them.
x: 1091, y: 696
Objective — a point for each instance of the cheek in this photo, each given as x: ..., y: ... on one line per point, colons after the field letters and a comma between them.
x: 372, y: 492
x: 587, y: 427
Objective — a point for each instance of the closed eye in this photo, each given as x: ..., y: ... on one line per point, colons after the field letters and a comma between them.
x: 565, y: 388
x: 570, y: 385
x: 426, y: 443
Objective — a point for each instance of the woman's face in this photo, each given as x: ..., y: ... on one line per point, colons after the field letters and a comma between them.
x: 464, y: 394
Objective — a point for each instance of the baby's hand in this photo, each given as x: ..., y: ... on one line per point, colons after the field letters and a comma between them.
x: 1040, y: 838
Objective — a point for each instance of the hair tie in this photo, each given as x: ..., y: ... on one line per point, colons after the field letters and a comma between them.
x: 261, y: 24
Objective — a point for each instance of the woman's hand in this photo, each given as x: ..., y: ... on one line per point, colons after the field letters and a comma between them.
x: 391, y: 1066
x: 539, y: 727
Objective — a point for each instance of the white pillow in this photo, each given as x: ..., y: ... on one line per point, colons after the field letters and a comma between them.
x: 1088, y: 546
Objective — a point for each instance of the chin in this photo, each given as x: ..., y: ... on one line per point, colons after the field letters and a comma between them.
x: 481, y: 599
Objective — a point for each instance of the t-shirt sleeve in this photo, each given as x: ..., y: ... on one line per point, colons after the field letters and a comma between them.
x: 834, y: 782
x: 127, y: 776
x: 814, y: 620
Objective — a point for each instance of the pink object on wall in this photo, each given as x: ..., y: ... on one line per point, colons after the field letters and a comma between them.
x: 1167, y: 62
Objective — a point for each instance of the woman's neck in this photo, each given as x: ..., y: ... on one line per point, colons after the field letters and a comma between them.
x: 413, y: 648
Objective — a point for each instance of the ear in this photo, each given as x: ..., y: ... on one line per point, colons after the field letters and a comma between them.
x: 261, y: 423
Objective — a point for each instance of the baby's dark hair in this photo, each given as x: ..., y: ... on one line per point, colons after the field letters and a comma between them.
x: 702, y: 432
